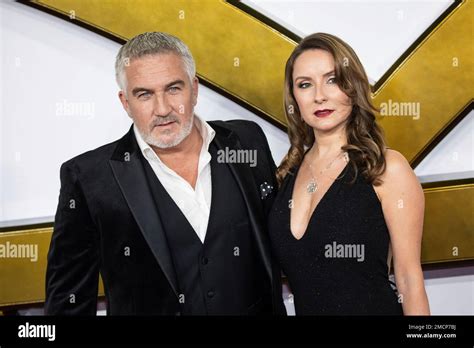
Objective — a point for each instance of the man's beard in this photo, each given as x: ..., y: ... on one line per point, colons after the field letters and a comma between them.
x: 154, y: 140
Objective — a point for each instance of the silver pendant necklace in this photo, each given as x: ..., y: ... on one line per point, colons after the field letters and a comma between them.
x: 312, y: 186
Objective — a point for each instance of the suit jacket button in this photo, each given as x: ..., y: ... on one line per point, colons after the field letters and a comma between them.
x: 210, y: 294
x: 177, y: 314
x: 205, y: 260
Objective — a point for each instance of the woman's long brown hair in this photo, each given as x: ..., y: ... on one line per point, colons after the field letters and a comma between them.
x: 365, y: 140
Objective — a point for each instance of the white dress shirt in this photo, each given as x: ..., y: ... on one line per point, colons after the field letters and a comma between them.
x: 195, y: 204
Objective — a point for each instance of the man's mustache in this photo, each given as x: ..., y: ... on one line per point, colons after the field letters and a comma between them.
x: 162, y: 120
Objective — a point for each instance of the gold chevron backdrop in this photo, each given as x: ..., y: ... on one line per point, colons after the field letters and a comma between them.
x: 221, y: 33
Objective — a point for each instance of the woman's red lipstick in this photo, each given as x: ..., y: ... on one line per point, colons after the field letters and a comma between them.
x: 323, y: 113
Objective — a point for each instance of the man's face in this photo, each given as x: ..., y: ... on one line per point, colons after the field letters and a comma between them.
x: 160, y: 98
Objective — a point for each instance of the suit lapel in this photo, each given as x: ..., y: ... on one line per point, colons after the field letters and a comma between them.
x: 129, y: 173
x: 247, y: 185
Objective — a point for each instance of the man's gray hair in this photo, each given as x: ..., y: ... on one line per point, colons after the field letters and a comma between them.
x: 149, y: 44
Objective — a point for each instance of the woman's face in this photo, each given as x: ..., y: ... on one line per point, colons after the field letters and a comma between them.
x: 321, y: 102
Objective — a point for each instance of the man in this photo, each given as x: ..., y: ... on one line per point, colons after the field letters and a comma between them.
x: 172, y: 225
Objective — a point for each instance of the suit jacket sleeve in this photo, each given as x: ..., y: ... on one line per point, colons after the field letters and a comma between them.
x: 266, y: 165
x: 73, y: 258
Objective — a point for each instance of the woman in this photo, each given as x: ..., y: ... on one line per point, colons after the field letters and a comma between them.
x: 346, y: 202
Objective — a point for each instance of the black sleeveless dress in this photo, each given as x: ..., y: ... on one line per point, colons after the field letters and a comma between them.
x: 339, y: 266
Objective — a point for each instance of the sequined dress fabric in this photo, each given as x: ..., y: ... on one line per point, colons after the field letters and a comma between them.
x: 339, y: 266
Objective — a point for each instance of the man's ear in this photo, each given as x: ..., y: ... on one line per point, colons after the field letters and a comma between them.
x: 124, y: 101
x: 195, y: 88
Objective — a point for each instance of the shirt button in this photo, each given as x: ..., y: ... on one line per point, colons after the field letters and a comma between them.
x: 210, y: 294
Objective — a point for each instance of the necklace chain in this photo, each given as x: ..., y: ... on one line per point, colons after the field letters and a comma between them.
x: 313, y: 184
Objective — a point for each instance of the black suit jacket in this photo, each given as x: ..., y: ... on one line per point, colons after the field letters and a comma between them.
x: 106, y: 222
